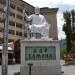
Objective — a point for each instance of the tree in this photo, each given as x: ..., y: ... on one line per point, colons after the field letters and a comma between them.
x: 67, y: 30
x: 73, y: 28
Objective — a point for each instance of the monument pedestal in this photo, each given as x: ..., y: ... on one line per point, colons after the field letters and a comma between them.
x: 40, y: 57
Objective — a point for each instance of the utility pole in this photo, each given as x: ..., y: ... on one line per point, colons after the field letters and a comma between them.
x: 5, y: 39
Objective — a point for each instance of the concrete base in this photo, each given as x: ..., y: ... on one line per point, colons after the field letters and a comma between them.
x: 40, y: 67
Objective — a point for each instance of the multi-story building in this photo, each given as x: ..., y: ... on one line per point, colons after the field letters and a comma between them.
x: 16, y: 19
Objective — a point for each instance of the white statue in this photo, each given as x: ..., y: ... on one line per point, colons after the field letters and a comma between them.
x: 38, y: 24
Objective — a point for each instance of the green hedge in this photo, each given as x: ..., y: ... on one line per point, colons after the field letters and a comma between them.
x: 62, y: 51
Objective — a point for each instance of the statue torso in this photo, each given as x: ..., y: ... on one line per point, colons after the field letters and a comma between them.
x: 37, y: 19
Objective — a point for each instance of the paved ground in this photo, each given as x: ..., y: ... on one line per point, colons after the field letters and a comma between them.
x: 68, y: 70
x: 12, y: 69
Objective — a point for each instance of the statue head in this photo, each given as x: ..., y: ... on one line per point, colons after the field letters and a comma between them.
x: 37, y: 10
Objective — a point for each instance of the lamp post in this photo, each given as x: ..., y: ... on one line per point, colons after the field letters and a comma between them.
x: 5, y: 39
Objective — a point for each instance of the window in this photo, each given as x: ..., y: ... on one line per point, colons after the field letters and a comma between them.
x: 11, y: 23
x: 19, y: 17
x: 12, y: 6
x: 1, y: 20
x: 19, y: 33
x: 2, y: 1
x: 25, y: 34
x: 19, y: 25
x: 1, y: 40
x: 1, y: 10
x: 12, y: 14
x: 19, y: 9
x: 1, y: 29
x: 11, y: 32
x: 10, y: 40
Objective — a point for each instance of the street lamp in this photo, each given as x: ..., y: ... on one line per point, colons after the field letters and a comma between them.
x: 5, y: 39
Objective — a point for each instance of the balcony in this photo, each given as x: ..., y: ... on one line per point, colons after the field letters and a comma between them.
x: 15, y: 20
x: 11, y: 27
x: 11, y: 36
x: 12, y: 10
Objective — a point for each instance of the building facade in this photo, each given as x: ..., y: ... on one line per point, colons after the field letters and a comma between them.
x: 16, y: 30
x: 15, y: 19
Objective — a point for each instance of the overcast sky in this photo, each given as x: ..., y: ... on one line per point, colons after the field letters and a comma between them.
x: 61, y: 4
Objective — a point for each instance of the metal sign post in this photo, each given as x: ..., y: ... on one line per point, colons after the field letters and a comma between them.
x: 30, y: 65
x: 5, y: 39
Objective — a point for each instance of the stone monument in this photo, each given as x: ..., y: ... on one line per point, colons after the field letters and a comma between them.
x: 39, y: 56
x: 39, y: 26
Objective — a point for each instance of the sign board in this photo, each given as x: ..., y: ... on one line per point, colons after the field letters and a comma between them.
x: 40, y: 53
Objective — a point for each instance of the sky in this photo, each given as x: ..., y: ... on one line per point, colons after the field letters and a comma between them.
x: 63, y: 5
